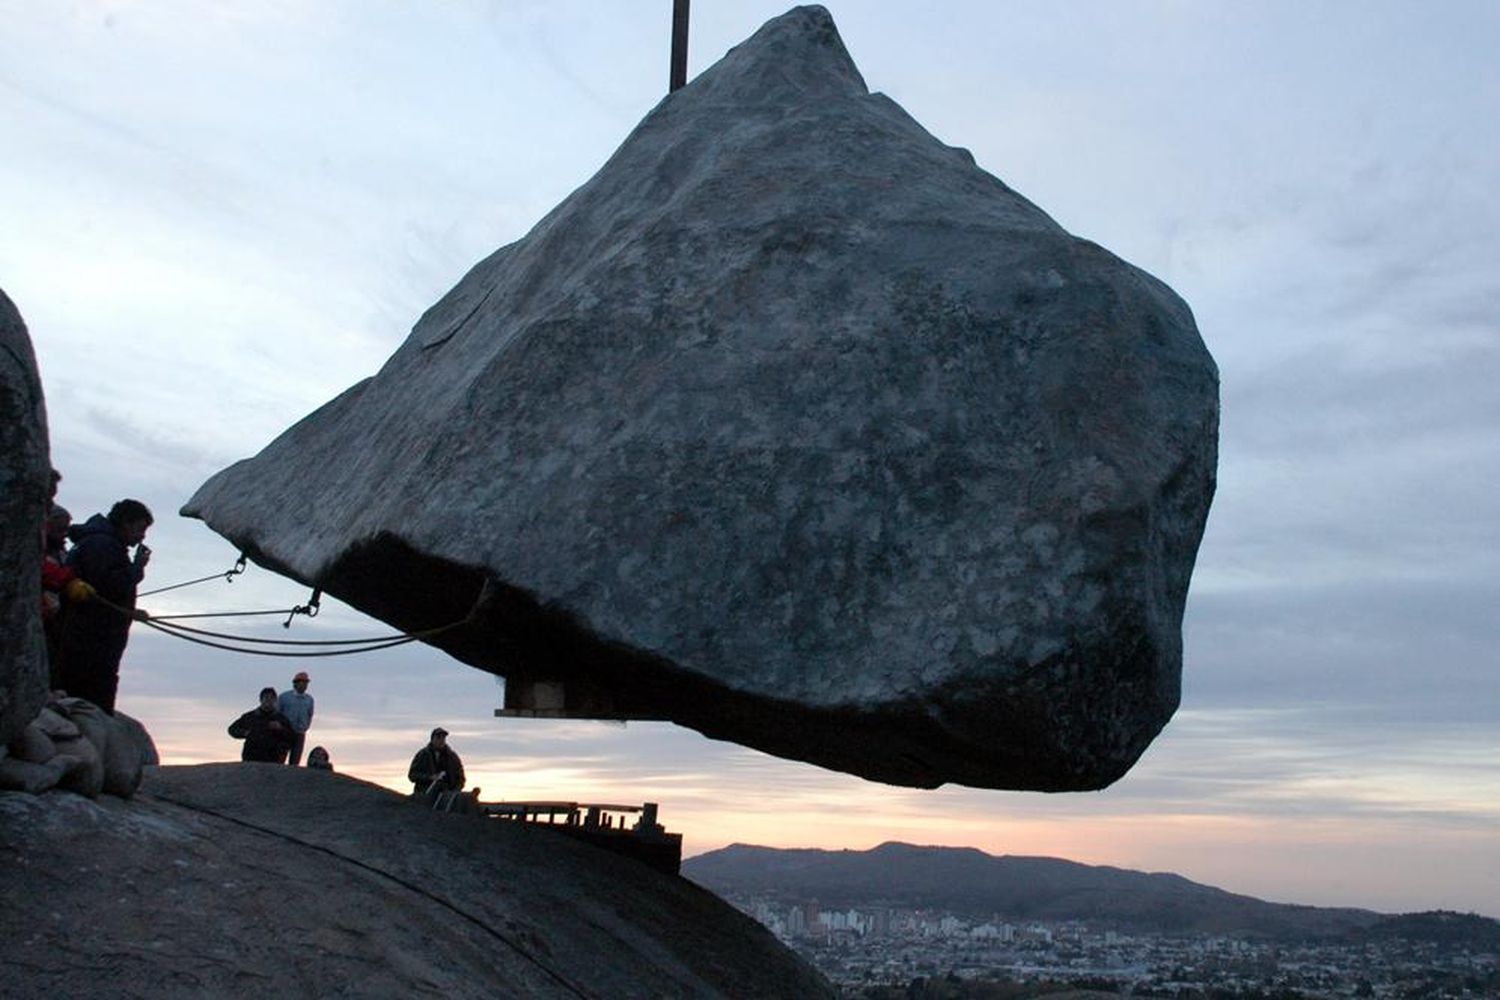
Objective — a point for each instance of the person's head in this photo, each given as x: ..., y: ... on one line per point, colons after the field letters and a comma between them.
x: 318, y: 757
x: 299, y: 682
x: 131, y: 518
x: 439, y: 737
x: 58, y: 522
x: 268, y: 699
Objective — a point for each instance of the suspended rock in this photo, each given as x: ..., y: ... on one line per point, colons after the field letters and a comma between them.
x: 24, y: 469
x: 793, y: 426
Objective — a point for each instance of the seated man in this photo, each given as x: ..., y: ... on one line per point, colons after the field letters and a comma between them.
x: 436, y: 768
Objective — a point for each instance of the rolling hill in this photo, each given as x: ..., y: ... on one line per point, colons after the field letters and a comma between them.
x: 969, y: 881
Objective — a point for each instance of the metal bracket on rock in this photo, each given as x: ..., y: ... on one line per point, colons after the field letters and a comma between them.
x: 310, y: 609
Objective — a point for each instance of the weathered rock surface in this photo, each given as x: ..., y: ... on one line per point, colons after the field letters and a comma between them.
x: 793, y: 426
x: 24, y: 468
x: 244, y: 879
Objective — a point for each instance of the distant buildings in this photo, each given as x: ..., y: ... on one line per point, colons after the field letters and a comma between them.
x: 858, y: 947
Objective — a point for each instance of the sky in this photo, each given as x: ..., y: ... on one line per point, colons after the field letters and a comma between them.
x: 215, y: 217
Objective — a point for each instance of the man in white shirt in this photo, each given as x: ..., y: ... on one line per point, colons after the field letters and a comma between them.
x: 297, y: 706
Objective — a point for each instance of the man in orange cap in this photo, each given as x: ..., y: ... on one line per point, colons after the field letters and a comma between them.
x: 297, y: 706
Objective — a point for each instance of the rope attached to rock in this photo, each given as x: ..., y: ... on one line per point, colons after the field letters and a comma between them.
x: 399, y: 639
x: 168, y: 624
x: 227, y: 576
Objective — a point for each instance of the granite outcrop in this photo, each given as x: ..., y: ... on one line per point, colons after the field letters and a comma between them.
x: 220, y: 879
x: 24, y: 485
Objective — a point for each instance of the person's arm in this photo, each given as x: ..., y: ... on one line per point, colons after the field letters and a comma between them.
x: 457, y: 777
x: 419, y: 772
x: 240, y: 728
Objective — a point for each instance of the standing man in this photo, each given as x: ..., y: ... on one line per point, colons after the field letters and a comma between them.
x: 266, y: 732
x: 436, y: 768
x: 94, y: 632
x: 297, y: 706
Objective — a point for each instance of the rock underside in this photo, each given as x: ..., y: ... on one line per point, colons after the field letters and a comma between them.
x: 792, y: 426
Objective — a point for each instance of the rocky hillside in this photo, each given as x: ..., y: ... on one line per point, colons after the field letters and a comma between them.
x: 247, y: 879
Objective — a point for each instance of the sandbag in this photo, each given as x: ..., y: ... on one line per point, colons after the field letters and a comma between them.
x: 91, y: 720
x: 24, y: 776
x: 32, y: 745
x: 143, y: 741
x: 55, y: 725
x: 84, y: 767
x: 122, y: 758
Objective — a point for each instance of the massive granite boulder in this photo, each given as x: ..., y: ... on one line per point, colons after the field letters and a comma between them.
x: 24, y: 483
x: 793, y: 426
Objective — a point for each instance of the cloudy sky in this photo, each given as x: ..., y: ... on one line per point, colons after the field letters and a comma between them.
x: 215, y: 217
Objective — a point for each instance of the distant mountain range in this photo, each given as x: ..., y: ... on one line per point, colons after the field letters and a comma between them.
x: 964, y: 880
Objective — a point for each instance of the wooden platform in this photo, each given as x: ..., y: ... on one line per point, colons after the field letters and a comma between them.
x: 603, y: 825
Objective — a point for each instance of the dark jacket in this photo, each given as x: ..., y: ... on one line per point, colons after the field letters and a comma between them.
x: 99, y: 557
x: 93, y: 633
x: 262, y: 743
x: 426, y: 765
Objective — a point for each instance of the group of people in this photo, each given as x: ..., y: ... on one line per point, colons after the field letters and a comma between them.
x: 275, y: 731
x: 90, y: 578
x: 89, y: 582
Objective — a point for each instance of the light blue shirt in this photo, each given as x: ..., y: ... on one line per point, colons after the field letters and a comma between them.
x: 298, y: 709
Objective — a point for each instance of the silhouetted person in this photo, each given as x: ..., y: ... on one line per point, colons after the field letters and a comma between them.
x: 317, y: 759
x: 60, y: 584
x: 436, y: 768
x: 94, y: 632
x: 297, y: 705
x: 55, y: 533
x: 266, y: 732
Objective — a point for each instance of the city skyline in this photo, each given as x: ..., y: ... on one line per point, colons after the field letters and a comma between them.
x: 219, y: 218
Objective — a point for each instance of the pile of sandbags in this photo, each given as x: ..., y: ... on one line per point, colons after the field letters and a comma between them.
x: 74, y: 745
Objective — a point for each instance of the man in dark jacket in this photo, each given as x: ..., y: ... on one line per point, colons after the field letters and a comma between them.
x: 267, y: 733
x: 94, y: 632
x: 436, y: 768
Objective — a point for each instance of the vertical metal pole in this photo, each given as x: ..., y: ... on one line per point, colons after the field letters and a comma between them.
x: 679, y: 44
